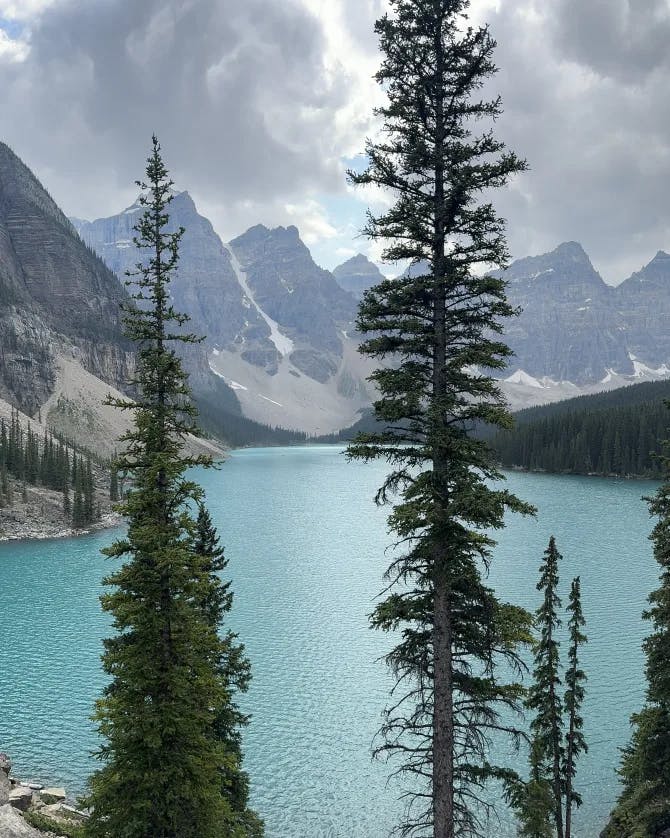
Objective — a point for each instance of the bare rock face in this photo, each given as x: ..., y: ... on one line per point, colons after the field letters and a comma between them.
x: 21, y: 797
x: 53, y: 289
x: 205, y: 285
x: 5, y: 785
x: 570, y: 328
x: 261, y: 297
x: 644, y: 299
x: 294, y: 292
x: 12, y: 825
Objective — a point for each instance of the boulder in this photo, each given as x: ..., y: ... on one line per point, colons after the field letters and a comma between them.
x: 12, y: 825
x: 53, y: 795
x: 5, y: 784
x: 21, y: 798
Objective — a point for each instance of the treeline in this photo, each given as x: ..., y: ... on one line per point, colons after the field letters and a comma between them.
x: 44, y: 460
x: 219, y: 416
x: 617, y: 433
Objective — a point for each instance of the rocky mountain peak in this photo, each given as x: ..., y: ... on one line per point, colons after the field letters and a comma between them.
x: 357, y: 274
x: 19, y: 185
x: 655, y: 273
x: 358, y: 264
x: 572, y: 251
x: 567, y: 264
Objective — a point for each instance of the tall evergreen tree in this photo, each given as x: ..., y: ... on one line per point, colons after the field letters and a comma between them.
x: 440, y: 327
x: 533, y: 800
x: 113, y: 483
x: 161, y: 760
x: 643, y: 808
x: 544, y: 694
x: 67, y: 505
x: 574, y: 696
x: 235, y: 674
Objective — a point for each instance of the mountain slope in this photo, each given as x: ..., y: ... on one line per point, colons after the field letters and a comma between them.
x: 56, y: 294
x: 615, y: 433
x: 644, y: 302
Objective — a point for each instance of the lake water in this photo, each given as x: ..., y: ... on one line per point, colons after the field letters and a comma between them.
x: 306, y: 550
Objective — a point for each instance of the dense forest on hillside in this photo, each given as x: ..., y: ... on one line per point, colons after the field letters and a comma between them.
x: 221, y: 416
x: 618, y: 432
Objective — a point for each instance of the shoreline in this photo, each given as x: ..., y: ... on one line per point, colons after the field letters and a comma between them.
x: 35, y: 531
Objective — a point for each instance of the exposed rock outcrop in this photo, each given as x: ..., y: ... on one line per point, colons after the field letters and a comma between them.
x: 12, y: 825
x: 570, y: 328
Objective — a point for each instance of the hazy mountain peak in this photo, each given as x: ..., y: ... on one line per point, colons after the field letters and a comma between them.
x: 357, y: 274
x: 661, y: 256
x: 572, y: 250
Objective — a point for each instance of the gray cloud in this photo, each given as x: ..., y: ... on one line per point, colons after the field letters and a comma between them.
x: 236, y: 91
x: 256, y: 101
x: 621, y: 39
x: 586, y: 103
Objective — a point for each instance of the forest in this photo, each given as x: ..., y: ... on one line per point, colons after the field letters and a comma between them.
x: 616, y: 433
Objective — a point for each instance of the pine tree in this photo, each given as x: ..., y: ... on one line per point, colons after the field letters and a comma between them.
x: 78, y: 516
x: 440, y: 327
x: 533, y: 800
x: 161, y: 760
x: 643, y: 808
x: 114, y: 483
x: 235, y: 674
x: 67, y: 506
x: 543, y: 696
x: 574, y: 696
x: 88, y: 489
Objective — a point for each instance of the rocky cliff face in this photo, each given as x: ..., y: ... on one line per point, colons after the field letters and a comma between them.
x: 262, y: 297
x: 644, y: 302
x: 570, y: 328
x: 305, y: 301
x: 205, y: 275
x: 54, y: 293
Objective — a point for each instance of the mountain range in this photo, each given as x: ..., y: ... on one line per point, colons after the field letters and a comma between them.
x: 281, y: 344
x: 279, y: 329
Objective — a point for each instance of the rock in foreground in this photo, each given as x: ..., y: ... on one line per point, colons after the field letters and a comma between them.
x: 12, y: 825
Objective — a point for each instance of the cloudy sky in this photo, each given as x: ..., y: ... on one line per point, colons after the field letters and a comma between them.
x: 260, y: 105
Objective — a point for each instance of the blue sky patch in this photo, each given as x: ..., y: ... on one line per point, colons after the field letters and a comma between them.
x: 12, y: 27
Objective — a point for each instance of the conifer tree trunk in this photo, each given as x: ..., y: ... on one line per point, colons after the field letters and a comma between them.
x: 443, y: 718
x: 557, y: 776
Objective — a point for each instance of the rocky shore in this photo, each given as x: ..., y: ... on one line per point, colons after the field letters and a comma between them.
x: 28, y: 802
x: 17, y: 528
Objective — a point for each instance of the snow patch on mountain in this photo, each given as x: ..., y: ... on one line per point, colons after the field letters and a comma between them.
x: 521, y: 377
x: 234, y: 385
x: 283, y: 343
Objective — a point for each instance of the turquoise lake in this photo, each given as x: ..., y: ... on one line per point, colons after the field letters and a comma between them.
x: 306, y: 550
